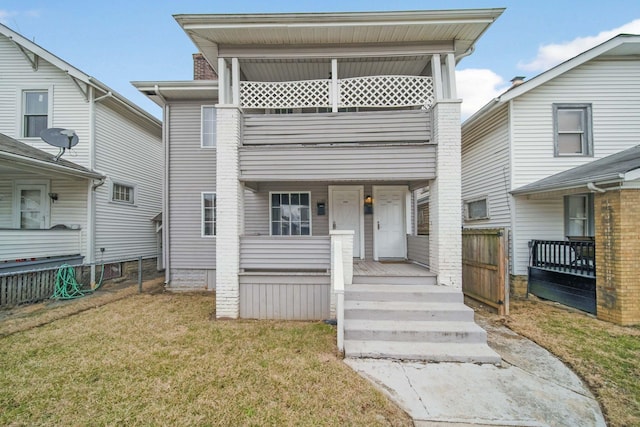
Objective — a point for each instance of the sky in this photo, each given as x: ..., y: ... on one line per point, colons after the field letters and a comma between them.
x: 122, y: 41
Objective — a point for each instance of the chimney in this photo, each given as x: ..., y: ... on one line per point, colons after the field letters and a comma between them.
x: 517, y: 81
x: 201, y: 68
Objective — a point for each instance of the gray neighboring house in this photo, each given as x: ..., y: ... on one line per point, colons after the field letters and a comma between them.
x: 103, y: 193
x: 546, y: 160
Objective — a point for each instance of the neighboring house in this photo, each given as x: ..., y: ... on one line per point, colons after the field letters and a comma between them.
x: 98, y: 200
x: 544, y: 160
x: 305, y: 125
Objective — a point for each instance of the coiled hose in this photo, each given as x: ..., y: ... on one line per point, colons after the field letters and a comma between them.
x: 67, y: 287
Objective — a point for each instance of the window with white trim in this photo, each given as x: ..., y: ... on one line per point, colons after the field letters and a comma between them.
x: 122, y: 193
x: 578, y: 215
x: 35, y: 112
x: 208, y: 215
x: 572, y: 130
x: 476, y: 209
x: 208, y: 127
x: 290, y: 214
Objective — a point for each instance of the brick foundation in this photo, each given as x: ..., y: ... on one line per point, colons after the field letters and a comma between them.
x: 617, y: 252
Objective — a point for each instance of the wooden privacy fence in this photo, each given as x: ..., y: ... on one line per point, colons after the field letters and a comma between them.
x: 484, y: 267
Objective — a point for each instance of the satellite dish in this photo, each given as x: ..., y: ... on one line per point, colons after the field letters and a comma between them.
x: 58, y: 137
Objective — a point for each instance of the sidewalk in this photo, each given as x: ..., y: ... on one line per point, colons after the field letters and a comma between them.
x: 530, y: 388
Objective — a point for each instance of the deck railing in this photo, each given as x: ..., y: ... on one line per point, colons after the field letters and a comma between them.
x: 302, y: 253
x: 27, y: 244
x: 573, y: 257
x: 369, y: 91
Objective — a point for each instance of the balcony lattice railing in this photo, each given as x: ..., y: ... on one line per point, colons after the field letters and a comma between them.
x: 371, y: 91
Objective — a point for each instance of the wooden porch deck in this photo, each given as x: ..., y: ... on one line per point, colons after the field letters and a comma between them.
x: 391, y: 269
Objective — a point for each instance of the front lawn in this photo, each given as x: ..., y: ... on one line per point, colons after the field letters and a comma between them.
x: 160, y: 359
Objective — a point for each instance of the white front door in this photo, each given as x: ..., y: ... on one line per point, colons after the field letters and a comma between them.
x: 32, y: 206
x: 345, y: 213
x: 389, y: 222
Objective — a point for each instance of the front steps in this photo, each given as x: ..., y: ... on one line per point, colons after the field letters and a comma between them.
x: 420, y: 321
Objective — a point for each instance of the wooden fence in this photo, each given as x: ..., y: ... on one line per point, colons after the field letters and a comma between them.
x: 484, y: 265
x: 28, y: 287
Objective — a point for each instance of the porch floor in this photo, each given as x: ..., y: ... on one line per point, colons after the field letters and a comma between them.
x: 377, y: 268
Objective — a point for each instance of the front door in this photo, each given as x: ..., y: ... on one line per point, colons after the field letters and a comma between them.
x: 389, y: 222
x: 345, y: 213
x: 33, y: 206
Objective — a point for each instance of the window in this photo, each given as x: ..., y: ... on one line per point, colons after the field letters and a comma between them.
x: 35, y: 112
x: 578, y: 213
x: 572, y: 129
x: 290, y: 214
x: 31, y: 205
x: 208, y: 129
x: 122, y: 193
x: 476, y: 209
x: 208, y: 214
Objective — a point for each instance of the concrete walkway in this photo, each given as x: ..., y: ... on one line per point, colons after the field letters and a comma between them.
x: 530, y: 388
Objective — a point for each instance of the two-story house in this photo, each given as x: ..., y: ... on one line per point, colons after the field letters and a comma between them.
x: 313, y: 128
x: 547, y: 160
x: 93, y: 203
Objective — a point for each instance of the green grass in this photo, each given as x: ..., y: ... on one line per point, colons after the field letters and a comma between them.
x: 161, y: 360
x: 605, y: 355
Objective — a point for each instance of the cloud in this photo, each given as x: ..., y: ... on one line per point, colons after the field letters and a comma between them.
x: 476, y: 87
x: 5, y: 15
x: 553, y: 54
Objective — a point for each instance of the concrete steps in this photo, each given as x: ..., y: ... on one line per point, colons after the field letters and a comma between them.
x: 418, y: 321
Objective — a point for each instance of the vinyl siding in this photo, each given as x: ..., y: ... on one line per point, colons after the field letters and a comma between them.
x: 418, y: 249
x: 192, y: 170
x: 379, y: 126
x: 613, y: 89
x: 70, y: 109
x: 298, y: 253
x: 485, y: 168
x: 535, y: 219
x: 370, y: 162
x: 131, y: 155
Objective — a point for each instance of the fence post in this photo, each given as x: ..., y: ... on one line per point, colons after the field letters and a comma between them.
x: 139, y: 274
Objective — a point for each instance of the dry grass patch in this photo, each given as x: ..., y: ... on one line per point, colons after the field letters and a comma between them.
x: 606, y: 356
x: 161, y: 359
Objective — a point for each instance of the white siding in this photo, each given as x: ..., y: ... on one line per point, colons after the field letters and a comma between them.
x: 70, y: 109
x: 192, y: 170
x: 613, y: 89
x: 128, y: 154
x: 535, y: 219
x: 485, y: 168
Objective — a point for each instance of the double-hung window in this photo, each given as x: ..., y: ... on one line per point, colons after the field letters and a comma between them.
x: 35, y: 112
x: 208, y: 127
x: 578, y: 212
x: 290, y: 214
x: 572, y: 130
x: 208, y: 216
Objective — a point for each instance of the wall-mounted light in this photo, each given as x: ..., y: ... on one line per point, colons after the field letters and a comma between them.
x: 368, y: 204
x: 53, y: 197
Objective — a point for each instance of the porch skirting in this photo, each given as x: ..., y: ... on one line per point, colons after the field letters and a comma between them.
x: 285, y: 296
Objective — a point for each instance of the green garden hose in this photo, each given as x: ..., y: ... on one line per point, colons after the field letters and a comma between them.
x: 66, y: 286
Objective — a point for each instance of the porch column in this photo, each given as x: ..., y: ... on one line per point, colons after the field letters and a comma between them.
x: 445, y: 212
x: 617, y: 252
x: 229, y: 200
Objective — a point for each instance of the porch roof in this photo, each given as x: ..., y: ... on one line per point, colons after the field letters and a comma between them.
x: 214, y: 34
x: 20, y: 153
x: 616, y: 168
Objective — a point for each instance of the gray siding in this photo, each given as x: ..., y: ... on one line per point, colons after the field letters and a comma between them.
x: 418, y: 249
x: 359, y: 162
x: 291, y: 297
x: 304, y: 253
x: 378, y: 126
x: 192, y: 170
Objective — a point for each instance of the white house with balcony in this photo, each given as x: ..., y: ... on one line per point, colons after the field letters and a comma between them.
x: 291, y: 169
x: 101, y: 194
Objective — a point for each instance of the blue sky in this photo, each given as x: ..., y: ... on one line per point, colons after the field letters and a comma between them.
x: 120, y: 41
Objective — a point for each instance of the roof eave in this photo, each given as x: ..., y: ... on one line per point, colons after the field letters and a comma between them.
x: 60, y: 168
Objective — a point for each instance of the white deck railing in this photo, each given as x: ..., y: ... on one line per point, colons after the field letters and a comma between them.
x: 284, y: 252
x: 370, y: 91
x: 341, y: 276
x: 25, y: 244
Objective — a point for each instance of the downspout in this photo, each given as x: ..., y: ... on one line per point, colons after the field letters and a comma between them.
x: 91, y: 198
x: 466, y: 53
x: 165, y: 188
x: 592, y: 187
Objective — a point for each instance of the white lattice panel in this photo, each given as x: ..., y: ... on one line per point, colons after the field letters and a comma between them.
x: 293, y: 94
x: 386, y: 91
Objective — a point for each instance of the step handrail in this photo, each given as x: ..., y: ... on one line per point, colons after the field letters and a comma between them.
x: 338, y: 288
